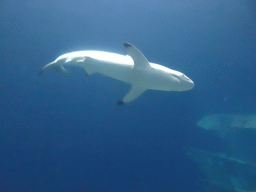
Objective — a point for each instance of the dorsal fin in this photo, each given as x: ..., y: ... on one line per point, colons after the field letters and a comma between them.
x: 140, y: 61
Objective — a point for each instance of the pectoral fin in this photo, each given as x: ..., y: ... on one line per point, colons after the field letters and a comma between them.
x: 132, y: 95
x: 140, y: 61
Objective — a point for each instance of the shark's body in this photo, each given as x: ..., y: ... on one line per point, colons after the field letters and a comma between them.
x: 133, y: 69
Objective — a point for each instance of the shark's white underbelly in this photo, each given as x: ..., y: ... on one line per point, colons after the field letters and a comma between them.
x: 119, y: 71
x: 125, y: 73
x: 119, y: 67
x: 133, y: 69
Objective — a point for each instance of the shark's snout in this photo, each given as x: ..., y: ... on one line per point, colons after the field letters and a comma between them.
x: 189, y: 84
x: 192, y: 84
x: 186, y: 83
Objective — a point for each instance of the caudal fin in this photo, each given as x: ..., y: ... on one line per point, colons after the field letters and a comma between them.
x: 40, y: 72
x: 45, y: 67
x: 54, y: 66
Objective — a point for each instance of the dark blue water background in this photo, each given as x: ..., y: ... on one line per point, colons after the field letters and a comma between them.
x: 66, y: 133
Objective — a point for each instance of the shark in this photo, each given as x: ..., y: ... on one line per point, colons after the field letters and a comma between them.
x: 133, y: 68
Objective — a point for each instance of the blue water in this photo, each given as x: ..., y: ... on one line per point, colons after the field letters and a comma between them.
x: 66, y: 133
